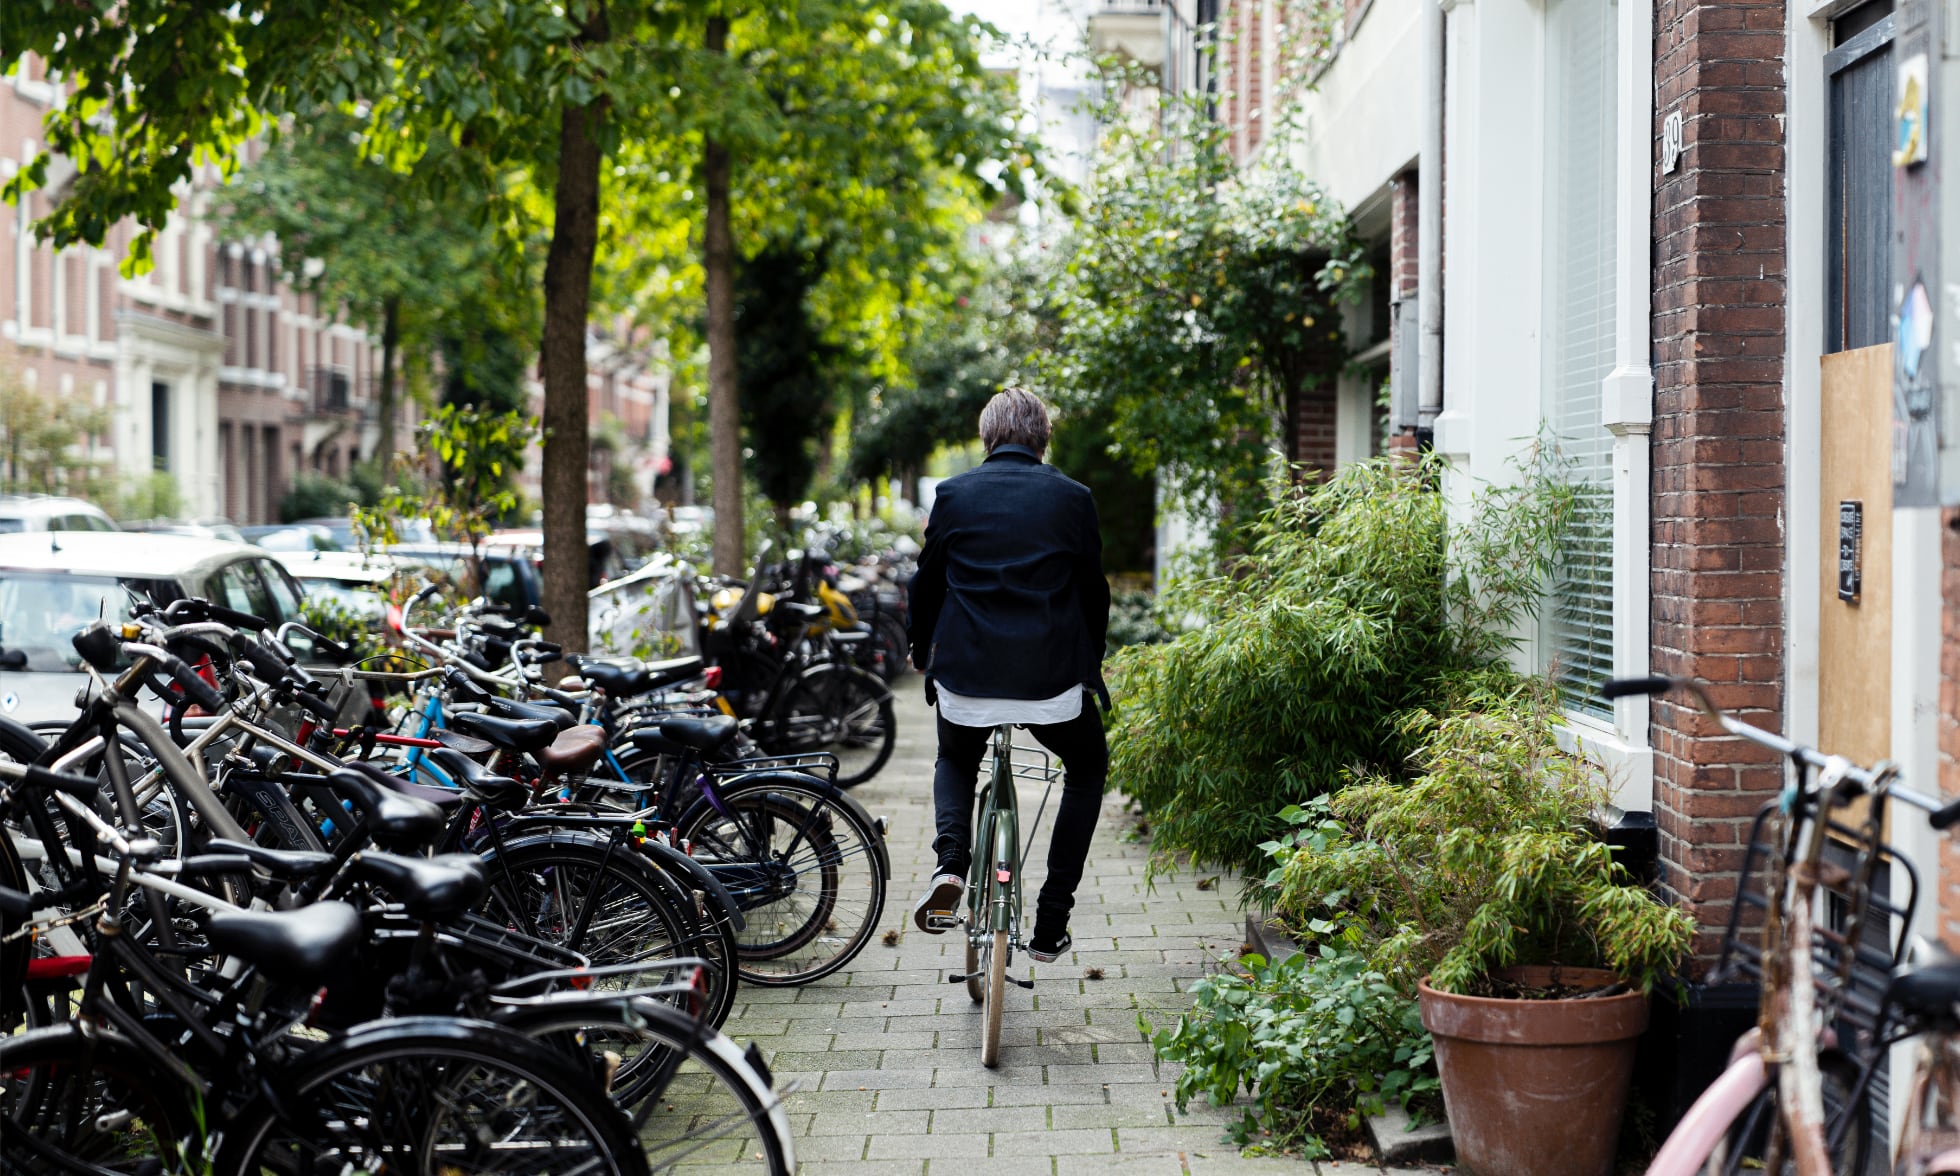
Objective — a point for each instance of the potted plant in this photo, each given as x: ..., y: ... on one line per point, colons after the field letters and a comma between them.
x: 1484, y: 883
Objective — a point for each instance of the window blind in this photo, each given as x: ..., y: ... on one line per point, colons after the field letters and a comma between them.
x: 1581, y: 70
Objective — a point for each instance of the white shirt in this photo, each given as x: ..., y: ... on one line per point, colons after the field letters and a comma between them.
x: 992, y: 712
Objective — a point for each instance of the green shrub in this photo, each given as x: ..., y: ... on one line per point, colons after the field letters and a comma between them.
x: 1490, y: 857
x: 1314, y: 1043
x: 1332, y: 625
x: 1133, y: 621
x: 316, y: 496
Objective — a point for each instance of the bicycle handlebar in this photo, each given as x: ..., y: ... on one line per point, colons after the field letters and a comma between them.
x: 1941, y: 812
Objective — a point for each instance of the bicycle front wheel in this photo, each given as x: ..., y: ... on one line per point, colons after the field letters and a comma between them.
x: 72, y: 1104
x: 995, y: 951
x: 695, y: 1097
x: 807, y: 869
x: 433, y: 1096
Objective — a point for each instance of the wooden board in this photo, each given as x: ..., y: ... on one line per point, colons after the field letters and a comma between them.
x: 1854, y: 654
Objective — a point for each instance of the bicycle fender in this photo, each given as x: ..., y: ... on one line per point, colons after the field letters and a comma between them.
x: 703, y: 878
x: 801, y: 782
x: 1708, y: 1120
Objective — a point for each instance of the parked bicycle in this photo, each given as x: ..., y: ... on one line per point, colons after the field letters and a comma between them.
x: 1796, y: 1096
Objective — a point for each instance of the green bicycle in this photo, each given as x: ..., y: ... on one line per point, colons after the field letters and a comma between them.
x: 993, y: 891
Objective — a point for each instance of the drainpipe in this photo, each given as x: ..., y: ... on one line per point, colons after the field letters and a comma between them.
x: 1429, y: 225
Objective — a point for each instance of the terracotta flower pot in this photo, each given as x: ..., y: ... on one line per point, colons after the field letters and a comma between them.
x: 1536, y: 1087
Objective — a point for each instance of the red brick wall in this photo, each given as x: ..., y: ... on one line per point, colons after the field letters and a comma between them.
x: 1718, y: 456
x: 1403, y: 270
x: 1949, y: 720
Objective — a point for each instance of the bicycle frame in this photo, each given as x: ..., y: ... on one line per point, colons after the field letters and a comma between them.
x: 995, y: 872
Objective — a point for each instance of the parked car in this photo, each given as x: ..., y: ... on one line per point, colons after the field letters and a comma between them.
x: 48, y: 512
x: 341, y: 530
x: 293, y: 537
x: 56, y: 583
x: 353, y: 580
x: 223, y: 529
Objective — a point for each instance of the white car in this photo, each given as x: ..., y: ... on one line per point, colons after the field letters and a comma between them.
x: 352, y: 579
x: 47, y: 512
x: 55, y: 583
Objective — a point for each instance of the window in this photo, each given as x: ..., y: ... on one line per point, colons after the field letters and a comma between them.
x: 237, y: 586
x: 501, y: 584
x: 160, y: 426
x: 1581, y: 70
x: 285, y: 593
x: 40, y: 613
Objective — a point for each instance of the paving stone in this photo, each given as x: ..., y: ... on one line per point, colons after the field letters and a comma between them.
x: 1067, y: 1141
x: 858, y: 1167
x: 879, y: 1122
x: 940, y: 1144
x: 875, y: 1079
x: 1129, y: 1164
x: 933, y: 1098
x: 989, y: 1119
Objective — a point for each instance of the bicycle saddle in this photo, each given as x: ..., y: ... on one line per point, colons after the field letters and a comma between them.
x: 525, y: 735
x: 708, y: 734
x: 625, y: 678
x: 505, y: 708
x: 395, y: 821
x: 575, y: 750
x: 1930, y: 990
x: 429, y: 889
x: 286, y: 864
x: 480, y: 783
x: 289, y: 946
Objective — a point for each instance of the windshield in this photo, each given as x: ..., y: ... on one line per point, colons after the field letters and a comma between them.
x: 40, y: 612
x: 366, y: 599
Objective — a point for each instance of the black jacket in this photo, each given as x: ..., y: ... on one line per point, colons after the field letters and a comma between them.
x: 1010, y: 599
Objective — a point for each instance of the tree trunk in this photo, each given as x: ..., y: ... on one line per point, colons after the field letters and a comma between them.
x: 567, y: 299
x: 724, y: 406
x: 391, y: 337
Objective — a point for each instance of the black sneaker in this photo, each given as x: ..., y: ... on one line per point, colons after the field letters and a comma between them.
x: 1045, y: 951
x: 939, y: 910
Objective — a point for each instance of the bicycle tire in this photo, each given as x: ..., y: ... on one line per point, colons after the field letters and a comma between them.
x: 838, y: 708
x: 439, y: 1076
x: 658, y: 1124
x: 732, y: 835
x: 991, y: 1009
x: 48, y: 1131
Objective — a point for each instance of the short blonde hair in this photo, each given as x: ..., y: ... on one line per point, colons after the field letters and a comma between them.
x: 1015, y: 416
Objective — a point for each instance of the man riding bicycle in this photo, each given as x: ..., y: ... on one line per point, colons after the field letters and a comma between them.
x: 1009, y: 613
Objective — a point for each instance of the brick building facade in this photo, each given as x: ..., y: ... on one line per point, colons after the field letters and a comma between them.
x: 1718, y: 562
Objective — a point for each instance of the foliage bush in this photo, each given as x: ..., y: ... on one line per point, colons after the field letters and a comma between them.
x: 1133, y: 621
x: 1491, y: 856
x: 315, y: 496
x: 1332, y: 625
x: 1315, y: 1042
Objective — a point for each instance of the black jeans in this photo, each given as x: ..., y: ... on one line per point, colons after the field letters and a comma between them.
x: 1079, y: 744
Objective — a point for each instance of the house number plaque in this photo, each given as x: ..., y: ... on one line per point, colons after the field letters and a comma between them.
x: 1851, y: 547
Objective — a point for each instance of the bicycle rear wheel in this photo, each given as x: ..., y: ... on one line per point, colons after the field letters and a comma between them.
x: 435, y: 1097
x: 1847, y: 1126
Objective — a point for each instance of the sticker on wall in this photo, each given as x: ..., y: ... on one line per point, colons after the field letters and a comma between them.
x: 1909, y: 146
x: 1915, y: 330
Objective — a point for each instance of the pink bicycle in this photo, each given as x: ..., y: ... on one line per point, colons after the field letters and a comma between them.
x: 1836, y: 994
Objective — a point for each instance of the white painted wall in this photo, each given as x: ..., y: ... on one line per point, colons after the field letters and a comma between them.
x: 1363, y: 121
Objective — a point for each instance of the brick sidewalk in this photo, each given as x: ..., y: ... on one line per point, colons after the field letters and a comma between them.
x: 887, y: 1053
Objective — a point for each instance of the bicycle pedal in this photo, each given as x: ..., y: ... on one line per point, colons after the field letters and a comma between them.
x: 1027, y: 984
x: 942, y: 921
x: 958, y: 978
